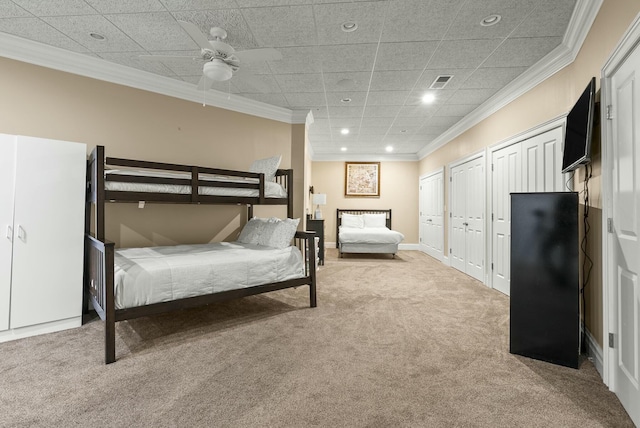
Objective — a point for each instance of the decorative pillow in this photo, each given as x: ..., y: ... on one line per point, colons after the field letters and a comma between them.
x: 252, y: 231
x: 279, y: 233
x: 268, y: 167
x: 375, y: 220
x: 352, y: 220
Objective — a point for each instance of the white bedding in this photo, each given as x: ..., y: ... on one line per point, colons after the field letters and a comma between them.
x: 144, y: 276
x: 271, y: 188
x: 369, y: 235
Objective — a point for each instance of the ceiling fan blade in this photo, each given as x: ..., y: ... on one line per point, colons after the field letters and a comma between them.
x: 194, y: 32
x: 166, y: 57
x: 264, y: 54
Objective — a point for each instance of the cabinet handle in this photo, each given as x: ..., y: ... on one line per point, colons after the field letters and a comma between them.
x: 10, y: 233
x: 22, y: 234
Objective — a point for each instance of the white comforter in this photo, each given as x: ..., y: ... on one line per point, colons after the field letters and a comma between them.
x: 160, y: 274
x: 369, y: 235
x: 271, y: 188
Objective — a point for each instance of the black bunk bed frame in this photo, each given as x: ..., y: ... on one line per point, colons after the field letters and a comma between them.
x: 99, y: 253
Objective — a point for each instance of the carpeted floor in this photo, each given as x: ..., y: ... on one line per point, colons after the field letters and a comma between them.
x: 404, y: 342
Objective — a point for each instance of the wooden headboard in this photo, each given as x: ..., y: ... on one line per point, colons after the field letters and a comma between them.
x: 339, y: 213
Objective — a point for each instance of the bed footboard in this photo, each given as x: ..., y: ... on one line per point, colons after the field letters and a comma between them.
x: 99, y: 288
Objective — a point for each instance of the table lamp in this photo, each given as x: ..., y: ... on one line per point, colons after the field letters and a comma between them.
x: 319, y: 199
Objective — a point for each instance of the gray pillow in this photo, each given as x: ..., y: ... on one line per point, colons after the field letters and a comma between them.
x: 278, y: 233
x: 251, y: 231
x: 268, y: 167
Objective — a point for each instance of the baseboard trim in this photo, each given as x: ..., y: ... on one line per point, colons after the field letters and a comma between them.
x: 594, y: 352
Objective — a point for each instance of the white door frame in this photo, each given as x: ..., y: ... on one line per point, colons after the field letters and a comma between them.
x: 423, y: 177
x: 630, y: 40
x: 477, y: 155
x: 557, y: 122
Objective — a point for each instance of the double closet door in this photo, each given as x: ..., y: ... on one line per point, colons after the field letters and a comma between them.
x: 42, y: 190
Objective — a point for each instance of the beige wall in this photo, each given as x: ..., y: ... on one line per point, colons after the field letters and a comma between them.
x: 141, y: 125
x: 547, y: 101
x: 398, y: 191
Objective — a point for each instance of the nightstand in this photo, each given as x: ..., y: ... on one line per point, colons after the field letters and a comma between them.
x: 317, y: 226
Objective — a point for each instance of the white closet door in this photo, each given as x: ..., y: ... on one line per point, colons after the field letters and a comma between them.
x: 431, y: 214
x: 7, y: 167
x: 49, y: 223
x: 541, y: 164
x: 458, y: 244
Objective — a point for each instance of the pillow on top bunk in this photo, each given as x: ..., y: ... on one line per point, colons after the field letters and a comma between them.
x: 278, y: 233
x: 352, y: 220
x: 375, y: 220
x: 268, y: 167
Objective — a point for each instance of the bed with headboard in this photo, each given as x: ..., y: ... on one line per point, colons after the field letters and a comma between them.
x: 123, y: 284
x: 366, y: 232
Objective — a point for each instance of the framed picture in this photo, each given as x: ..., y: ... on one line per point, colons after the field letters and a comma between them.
x: 362, y: 179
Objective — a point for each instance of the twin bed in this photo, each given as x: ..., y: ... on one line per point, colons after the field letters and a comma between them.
x: 366, y: 231
x: 124, y: 284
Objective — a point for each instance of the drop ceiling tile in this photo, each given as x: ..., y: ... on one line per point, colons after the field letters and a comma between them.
x: 522, y: 52
x: 39, y: 31
x: 318, y: 112
x: 347, y: 57
x: 447, y: 121
x: 442, y: 96
x: 80, y: 27
x: 371, y: 138
x: 305, y: 99
x: 126, y: 6
x: 402, y: 131
x: 419, y: 110
x: 382, y: 111
x: 345, y: 122
x: 471, y: 96
x: 297, y: 60
x: 394, y: 80
x: 265, y: 3
x: 132, y: 59
x: 419, y: 20
x: 455, y: 110
x: 340, y: 111
x: 368, y: 131
x: 347, y: 81
x: 239, y: 34
x: 295, y: 25
x: 409, y: 121
x: 175, y: 5
x: 369, y: 16
x: 154, y: 31
x: 492, y: 77
x: 550, y: 18
x: 273, y: 99
x: 300, y: 82
x: 387, y: 98
x: 187, y: 66
x: 467, y: 23
x: 404, y: 55
x: 263, y: 83
x: 9, y: 9
x: 462, y: 53
x: 56, y: 7
x: 377, y: 121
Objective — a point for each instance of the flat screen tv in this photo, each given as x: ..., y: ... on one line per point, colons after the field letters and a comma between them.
x: 579, y: 130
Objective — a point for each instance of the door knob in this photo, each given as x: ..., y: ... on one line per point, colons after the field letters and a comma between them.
x: 22, y: 234
x: 9, y: 233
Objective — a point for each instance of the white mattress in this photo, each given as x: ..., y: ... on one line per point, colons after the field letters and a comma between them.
x: 271, y: 188
x: 143, y: 276
x: 369, y: 235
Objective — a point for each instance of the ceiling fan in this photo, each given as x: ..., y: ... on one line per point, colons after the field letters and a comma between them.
x: 221, y: 61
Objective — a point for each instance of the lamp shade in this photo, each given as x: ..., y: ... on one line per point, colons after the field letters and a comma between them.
x: 217, y: 70
x: 320, y: 199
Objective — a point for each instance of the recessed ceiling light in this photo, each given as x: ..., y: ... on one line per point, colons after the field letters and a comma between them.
x: 344, y: 149
x: 428, y: 98
x: 490, y: 20
x: 97, y: 36
x: 345, y: 100
x: 389, y: 148
x: 344, y: 131
x: 349, y: 26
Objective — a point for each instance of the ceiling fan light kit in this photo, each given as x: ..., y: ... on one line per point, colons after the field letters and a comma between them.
x: 217, y: 70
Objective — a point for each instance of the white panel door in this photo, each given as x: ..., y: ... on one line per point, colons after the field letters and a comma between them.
x: 7, y: 171
x: 506, y: 177
x: 541, y: 166
x: 49, y: 229
x: 626, y: 234
x: 431, y: 214
x: 467, y: 217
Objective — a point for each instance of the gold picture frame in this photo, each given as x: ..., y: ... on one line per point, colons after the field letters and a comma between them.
x: 362, y: 179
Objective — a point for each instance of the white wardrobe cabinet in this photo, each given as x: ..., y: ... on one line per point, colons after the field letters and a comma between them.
x: 42, y: 192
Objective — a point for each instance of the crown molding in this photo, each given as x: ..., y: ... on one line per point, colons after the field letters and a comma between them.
x: 584, y: 14
x: 96, y: 68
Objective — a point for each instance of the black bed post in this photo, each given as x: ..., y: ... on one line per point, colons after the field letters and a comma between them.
x: 110, y: 308
x: 311, y: 254
x: 249, y: 212
x: 290, y: 193
x: 97, y: 179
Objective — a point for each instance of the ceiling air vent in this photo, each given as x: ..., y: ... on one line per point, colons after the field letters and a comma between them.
x: 441, y: 81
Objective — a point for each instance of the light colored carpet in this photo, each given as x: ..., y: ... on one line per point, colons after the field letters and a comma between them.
x: 404, y: 342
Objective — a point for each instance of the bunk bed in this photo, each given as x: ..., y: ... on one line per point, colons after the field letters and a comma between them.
x: 366, y: 232
x: 117, y: 294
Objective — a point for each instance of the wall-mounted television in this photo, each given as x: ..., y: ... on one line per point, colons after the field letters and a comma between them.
x: 579, y: 130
